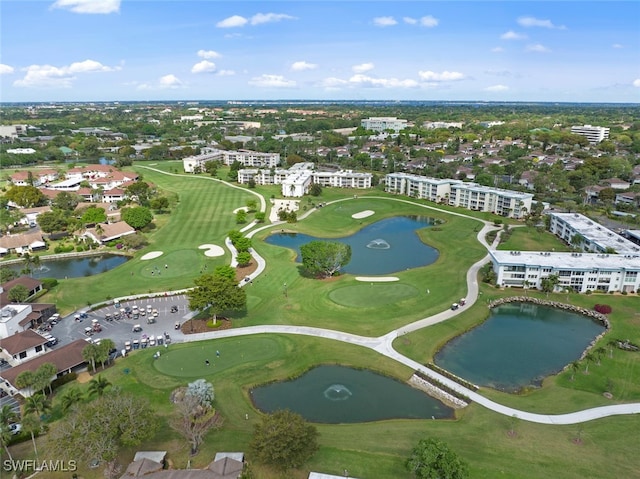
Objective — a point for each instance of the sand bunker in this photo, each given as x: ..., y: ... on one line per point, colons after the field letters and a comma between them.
x: 242, y: 208
x: 212, y: 250
x: 151, y: 255
x: 362, y: 214
x: 377, y: 279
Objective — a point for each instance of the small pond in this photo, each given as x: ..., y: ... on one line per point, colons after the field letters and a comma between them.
x: 387, y: 246
x: 338, y: 394
x: 518, y: 346
x: 74, y: 267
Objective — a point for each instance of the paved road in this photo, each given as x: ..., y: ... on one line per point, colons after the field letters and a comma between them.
x: 384, y: 344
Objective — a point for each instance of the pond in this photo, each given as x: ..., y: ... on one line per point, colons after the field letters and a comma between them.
x: 74, y: 267
x: 339, y: 394
x: 387, y: 246
x: 518, y: 346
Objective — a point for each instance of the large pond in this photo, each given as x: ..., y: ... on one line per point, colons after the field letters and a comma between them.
x: 338, y: 394
x: 387, y: 246
x: 518, y: 346
x: 74, y: 267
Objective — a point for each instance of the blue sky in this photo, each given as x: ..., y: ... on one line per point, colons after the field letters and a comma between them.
x: 101, y: 50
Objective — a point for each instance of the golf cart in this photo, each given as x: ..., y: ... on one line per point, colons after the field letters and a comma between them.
x: 136, y: 328
x: 174, y: 309
x: 88, y: 331
x: 177, y: 325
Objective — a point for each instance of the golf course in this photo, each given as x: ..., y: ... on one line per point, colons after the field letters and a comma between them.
x: 201, y: 213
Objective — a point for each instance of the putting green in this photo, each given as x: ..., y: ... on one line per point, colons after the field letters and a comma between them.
x: 178, y: 263
x: 190, y: 361
x: 371, y: 295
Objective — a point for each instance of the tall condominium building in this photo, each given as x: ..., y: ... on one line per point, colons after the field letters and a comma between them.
x: 382, y: 123
x: 595, y: 134
x: 472, y: 196
x: 587, y: 235
x: 245, y: 157
x: 580, y: 272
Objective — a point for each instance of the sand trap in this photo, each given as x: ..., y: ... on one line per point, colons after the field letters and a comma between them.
x: 151, y: 255
x: 377, y: 279
x: 212, y: 250
x: 242, y: 208
x: 362, y: 214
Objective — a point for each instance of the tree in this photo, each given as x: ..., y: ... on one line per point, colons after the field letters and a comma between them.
x: 549, y: 283
x: 315, y: 190
x: 18, y: 294
x: 134, y: 241
x: 106, y: 345
x: 137, y: 217
x: 260, y: 216
x: 52, y: 221
x: 325, y: 258
x: 32, y: 424
x: 432, y: 459
x: 244, y: 259
x: 70, y: 398
x: 25, y: 380
x: 574, y: 369
x: 217, y: 293
x: 195, y: 415
x: 90, y: 354
x: 26, y: 196
x: 284, y: 439
x: 98, y: 385
x: 588, y: 358
x: 66, y: 201
x: 598, y: 353
x: 252, y: 205
x: 241, y: 217
x: 37, y: 404
x: 93, y: 215
x: 7, y: 416
x: 7, y: 274
x: 98, y: 429
x: 140, y: 192
x: 45, y: 373
x: 160, y: 203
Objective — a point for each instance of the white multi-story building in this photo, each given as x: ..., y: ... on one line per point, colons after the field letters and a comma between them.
x: 12, y: 132
x: 583, y: 233
x: 595, y: 134
x: 432, y: 125
x: 383, y: 123
x: 509, y: 203
x: 251, y: 158
x: 191, y: 164
x: 472, y: 196
x: 297, y: 180
x: 580, y: 272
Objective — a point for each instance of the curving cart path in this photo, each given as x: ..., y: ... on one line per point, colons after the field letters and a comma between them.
x: 384, y: 344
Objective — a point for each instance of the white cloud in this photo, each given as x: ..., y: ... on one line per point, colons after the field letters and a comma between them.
x: 89, y: 6
x: 272, y: 81
x: 497, y: 50
x: 429, y: 21
x: 617, y: 45
x: 367, y: 81
x: 226, y: 73
x: 205, y: 66
x: 536, y: 22
x: 208, y: 54
x: 384, y: 21
x: 333, y: 83
x: 302, y: 65
x: 495, y: 88
x: 409, y: 20
x: 232, y: 22
x: 6, y: 69
x: 498, y: 73
x: 430, y: 76
x: 260, y: 18
x: 49, y: 76
x: 511, y: 35
x: 537, y: 47
x: 636, y: 83
x: 170, y: 81
x: 363, y: 67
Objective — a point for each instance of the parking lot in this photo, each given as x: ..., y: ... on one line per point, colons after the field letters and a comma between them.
x: 118, y: 322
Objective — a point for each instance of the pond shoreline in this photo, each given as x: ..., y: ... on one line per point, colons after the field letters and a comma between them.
x: 76, y: 254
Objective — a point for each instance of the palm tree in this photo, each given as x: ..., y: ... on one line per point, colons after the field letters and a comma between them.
x: 71, y: 397
x: 97, y: 385
x: 599, y: 352
x: 7, y: 416
x: 612, y: 343
x: 31, y: 423
x: 99, y: 231
x: 589, y: 358
x: 37, y: 404
x: 574, y: 368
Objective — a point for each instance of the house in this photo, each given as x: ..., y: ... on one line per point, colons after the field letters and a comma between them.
x: 527, y: 179
x: 113, y: 195
x: 150, y: 465
x: 22, y: 243
x: 32, y: 285
x: 628, y: 198
x: 110, y: 231
x: 64, y: 358
x: 22, y: 346
x: 31, y: 215
x: 33, y: 178
x: 616, y: 183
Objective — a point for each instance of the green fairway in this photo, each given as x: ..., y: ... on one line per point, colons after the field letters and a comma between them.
x: 191, y: 361
x: 372, y: 295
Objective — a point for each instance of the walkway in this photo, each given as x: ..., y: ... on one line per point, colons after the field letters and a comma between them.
x: 384, y: 344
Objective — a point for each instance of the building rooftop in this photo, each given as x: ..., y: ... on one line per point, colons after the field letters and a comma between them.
x: 22, y: 341
x: 586, y: 261
x: 597, y: 233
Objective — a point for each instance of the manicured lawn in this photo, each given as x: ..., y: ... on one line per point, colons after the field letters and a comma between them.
x: 527, y: 238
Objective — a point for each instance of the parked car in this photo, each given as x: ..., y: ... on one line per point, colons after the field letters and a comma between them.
x: 177, y: 325
x: 174, y: 309
x: 136, y: 344
x: 455, y: 306
x: 136, y: 328
x: 127, y: 346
